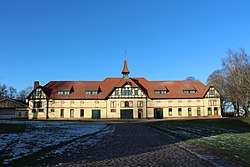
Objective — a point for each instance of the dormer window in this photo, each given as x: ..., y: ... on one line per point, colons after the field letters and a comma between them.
x: 91, y: 92
x: 189, y: 91
x: 63, y: 92
x: 160, y: 92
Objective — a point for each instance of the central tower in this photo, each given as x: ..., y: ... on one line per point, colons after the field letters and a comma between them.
x: 125, y: 70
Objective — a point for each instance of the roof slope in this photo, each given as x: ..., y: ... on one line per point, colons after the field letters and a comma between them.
x: 78, y: 88
x: 14, y: 102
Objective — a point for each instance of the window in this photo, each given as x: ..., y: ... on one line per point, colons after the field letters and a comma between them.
x: 126, y: 104
x: 82, y: 113
x: 189, y: 112
x: 122, y: 104
x: 19, y: 114
x: 91, y: 92
x: 34, y: 110
x: 130, y: 104
x: 160, y: 92
x: 209, y: 111
x: 25, y: 114
x: 62, y: 113
x: 179, y: 111
x: 63, y: 92
x: 198, y: 111
x: 140, y: 104
x: 40, y: 110
x: 52, y: 110
x: 117, y: 92
x: 113, y: 110
x: 38, y: 92
x: 215, y: 110
x: 136, y: 92
x: 72, y: 113
x: 211, y: 92
x: 189, y: 91
x: 126, y: 92
x: 37, y: 104
x: 212, y: 102
x: 113, y: 104
x: 170, y: 112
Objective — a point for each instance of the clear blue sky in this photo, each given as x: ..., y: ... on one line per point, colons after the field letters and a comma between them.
x: 48, y: 40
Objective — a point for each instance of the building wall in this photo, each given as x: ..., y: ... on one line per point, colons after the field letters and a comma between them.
x: 10, y: 109
x: 184, y: 105
x: 119, y: 106
x: 55, y: 106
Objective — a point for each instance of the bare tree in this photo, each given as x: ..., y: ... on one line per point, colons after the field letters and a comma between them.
x: 3, y: 91
x: 236, y: 66
x: 12, y: 93
x: 217, y: 79
x: 233, y: 81
x: 192, y: 78
x: 24, y: 93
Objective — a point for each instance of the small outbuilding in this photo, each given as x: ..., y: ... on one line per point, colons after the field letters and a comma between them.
x: 12, y: 109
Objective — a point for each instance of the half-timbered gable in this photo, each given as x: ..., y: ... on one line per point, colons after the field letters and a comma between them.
x: 128, y: 90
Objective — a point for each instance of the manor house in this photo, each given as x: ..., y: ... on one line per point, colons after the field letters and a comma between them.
x: 123, y: 98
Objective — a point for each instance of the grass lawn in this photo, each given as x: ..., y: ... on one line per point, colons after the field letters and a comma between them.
x: 229, y: 136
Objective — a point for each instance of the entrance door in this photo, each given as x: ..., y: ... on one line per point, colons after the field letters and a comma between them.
x: 140, y: 113
x: 96, y: 114
x: 127, y: 114
x: 158, y: 113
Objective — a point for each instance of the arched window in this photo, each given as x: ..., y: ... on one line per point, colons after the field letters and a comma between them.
x: 179, y: 111
x: 126, y: 104
x: 215, y: 110
x: 198, y: 111
x: 209, y: 111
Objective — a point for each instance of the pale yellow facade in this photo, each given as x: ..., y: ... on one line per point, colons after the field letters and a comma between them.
x: 114, y: 107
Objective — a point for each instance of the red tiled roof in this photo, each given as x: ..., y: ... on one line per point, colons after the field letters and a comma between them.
x: 174, y: 88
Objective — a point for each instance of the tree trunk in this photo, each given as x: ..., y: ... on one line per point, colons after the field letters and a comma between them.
x: 236, y: 109
x: 246, y: 107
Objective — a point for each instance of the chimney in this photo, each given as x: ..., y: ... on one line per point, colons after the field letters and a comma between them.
x: 36, y: 84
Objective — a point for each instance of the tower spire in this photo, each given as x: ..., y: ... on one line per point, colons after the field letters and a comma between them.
x: 125, y: 70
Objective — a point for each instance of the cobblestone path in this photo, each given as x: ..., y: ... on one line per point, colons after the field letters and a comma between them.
x: 133, y: 145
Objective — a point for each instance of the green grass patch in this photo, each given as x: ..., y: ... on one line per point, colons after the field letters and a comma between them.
x: 229, y: 136
x: 12, y: 128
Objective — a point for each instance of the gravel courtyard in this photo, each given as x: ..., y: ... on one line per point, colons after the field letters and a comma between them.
x: 135, y: 144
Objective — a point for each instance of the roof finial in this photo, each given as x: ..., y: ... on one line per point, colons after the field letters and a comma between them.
x: 125, y: 54
x: 125, y: 70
